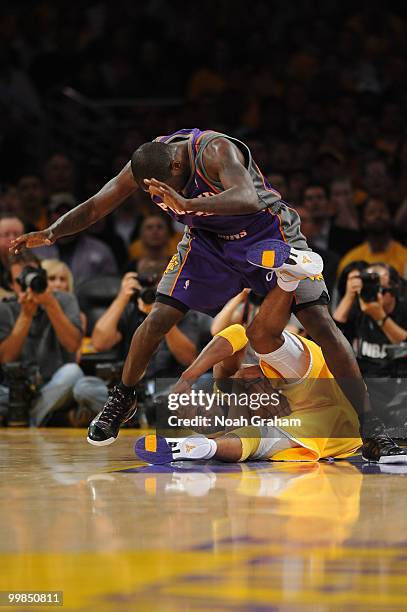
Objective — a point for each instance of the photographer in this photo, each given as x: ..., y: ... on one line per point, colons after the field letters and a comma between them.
x: 43, y: 328
x: 373, y: 314
x: 118, y: 324
x: 10, y: 228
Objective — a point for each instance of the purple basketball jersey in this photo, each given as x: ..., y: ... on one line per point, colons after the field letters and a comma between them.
x: 200, y: 185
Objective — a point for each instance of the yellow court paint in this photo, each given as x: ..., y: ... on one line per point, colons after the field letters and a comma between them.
x: 117, y: 536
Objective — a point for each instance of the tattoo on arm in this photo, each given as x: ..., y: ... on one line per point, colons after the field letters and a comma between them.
x: 75, y: 220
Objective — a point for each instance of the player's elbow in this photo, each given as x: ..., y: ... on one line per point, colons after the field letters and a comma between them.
x: 251, y: 201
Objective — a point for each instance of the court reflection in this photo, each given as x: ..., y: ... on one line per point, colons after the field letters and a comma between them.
x: 116, y: 535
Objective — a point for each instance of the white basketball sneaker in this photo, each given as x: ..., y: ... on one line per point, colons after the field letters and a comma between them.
x: 290, y: 263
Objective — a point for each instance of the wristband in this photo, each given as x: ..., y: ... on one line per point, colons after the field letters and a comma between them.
x: 236, y: 335
x: 381, y: 322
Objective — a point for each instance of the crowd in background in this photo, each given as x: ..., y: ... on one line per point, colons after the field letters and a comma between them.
x: 316, y: 90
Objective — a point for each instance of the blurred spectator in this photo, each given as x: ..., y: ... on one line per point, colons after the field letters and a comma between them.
x: 44, y: 329
x: 9, y: 200
x: 59, y: 174
x: 10, y: 228
x: 310, y: 230
x: 345, y: 230
x: 116, y: 327
x: 58, y: 274
x: 297, y: 183
x: 345, y: 275
x: 315, y: 201
x: 127, y: 220
x: 372, y: 325
x: 155, y: 240
x: 379, y: 245
x: 60, y: 279
x: 85, y: 256
x: 377, y: 181
x: 104, y: 230
x: 401, y: 169
x: 31, y: 195
x: 329, y: 164
x: 337, y: 94
x: 401, y: 220
x: 348, y: 287
x: 279, y: 182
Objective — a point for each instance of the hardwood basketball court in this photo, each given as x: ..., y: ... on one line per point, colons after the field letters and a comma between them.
x: 114, y: 534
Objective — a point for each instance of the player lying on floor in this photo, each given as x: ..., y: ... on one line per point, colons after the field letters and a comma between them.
x: 296, y: 367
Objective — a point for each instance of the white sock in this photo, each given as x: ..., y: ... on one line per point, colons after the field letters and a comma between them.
x: 291, y: 360
x: 286, y: 282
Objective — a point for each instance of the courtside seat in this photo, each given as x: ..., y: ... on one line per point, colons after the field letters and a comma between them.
x: 95, y: 296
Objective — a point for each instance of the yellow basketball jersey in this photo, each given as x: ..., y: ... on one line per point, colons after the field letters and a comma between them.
x: 329, y: 423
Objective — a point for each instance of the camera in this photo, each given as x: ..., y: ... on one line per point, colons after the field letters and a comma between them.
x: 110, y: 372
x: 370, y: 286
x: 33, y: 278
x: 148, y: 288
x: 23, y: 382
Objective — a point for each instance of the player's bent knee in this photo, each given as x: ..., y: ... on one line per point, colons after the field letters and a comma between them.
x: 255, y: 333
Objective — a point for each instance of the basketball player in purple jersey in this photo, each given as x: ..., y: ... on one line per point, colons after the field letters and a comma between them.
x: 234, y: 219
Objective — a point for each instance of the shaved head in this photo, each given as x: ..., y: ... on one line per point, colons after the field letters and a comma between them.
x: 152, y: 160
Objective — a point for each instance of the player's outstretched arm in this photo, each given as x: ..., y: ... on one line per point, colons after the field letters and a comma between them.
x: 79, y: 218
x: 217, y: 350
x: 226, y: 348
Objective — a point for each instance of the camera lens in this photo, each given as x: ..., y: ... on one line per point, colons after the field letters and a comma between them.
x: 36, y: 281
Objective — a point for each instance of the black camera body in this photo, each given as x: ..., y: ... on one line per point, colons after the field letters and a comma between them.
x: 147, y: 292
x: 370, y: 286
x: 23, y: 382
x: 33, y: 278
x: 110, y: 372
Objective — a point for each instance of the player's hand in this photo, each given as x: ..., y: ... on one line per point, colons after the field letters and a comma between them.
x: 373, y: 309
x: 169, y: 196
x: 129, y: 285
x: 182, y: 386
x: 31, y: 240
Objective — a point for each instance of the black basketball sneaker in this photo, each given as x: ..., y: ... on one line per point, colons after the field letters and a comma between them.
x: 381, y: 448
x: 119, y: 408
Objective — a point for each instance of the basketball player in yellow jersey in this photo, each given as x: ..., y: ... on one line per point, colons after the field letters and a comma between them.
x: 297, y: 369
